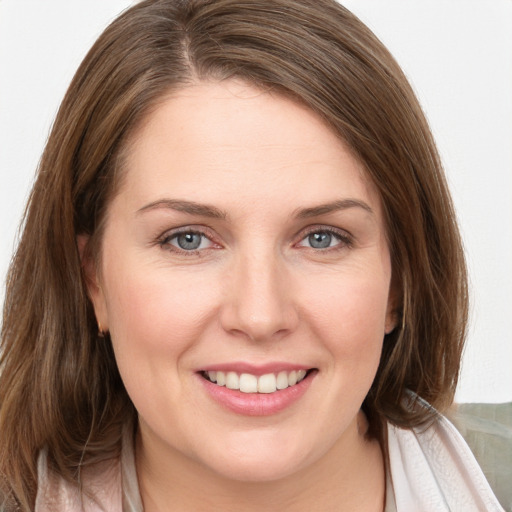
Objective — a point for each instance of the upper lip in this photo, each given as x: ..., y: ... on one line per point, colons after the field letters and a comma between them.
x: 254, y: 369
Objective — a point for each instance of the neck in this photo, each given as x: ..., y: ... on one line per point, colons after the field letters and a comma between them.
x: 350, y: 476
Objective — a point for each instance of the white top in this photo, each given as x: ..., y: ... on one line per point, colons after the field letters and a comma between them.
x: 431, y: 469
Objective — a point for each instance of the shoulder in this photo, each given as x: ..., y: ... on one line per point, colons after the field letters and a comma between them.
x: 106, y: 486
x: 432, y: 468
x: 98, y: 489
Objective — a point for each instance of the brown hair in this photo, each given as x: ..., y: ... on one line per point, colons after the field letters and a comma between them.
x: 59, y: 384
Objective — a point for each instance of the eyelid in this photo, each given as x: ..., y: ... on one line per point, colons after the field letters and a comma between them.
x: 346, y: 238
x: 164, y: 239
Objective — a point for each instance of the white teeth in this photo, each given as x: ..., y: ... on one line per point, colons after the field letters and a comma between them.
x: 267, y: 383
x: 221, y: 378
x: 282, y: 380
x: 232, y: 380
x: 248, y: 383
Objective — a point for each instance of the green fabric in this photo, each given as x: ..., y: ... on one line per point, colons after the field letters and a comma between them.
x: 487, y: 428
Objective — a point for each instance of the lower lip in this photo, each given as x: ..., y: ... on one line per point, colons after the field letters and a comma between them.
x: 257, y: 404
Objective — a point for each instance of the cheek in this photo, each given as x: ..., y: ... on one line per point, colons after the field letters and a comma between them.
x: 351, y: 317
x: 153, y: 313
x: 156, y: 318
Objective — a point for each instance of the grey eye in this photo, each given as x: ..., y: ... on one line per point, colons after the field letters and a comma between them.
x: 320, y: 240
x: 189, y: 241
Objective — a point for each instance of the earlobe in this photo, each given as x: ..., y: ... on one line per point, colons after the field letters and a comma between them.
x: 392, y: 314
x: 87, y: 263
x: 391, y: 322
x: 92, y: 283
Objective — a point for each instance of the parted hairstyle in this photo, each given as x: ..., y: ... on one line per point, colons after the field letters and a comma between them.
x: 59, y: 385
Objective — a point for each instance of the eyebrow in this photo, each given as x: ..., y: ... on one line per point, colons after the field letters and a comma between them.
x: 204, y: 210
x: 323, y: 209
x: 189, y: 207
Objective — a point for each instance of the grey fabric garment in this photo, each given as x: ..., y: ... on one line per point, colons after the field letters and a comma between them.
x: 487, y: 428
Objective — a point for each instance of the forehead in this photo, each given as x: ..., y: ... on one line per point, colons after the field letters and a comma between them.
x: 232, y: 138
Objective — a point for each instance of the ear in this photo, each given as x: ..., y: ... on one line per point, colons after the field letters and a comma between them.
x: 391, y: 321
x: 392, y: 316
x: 92, y: 282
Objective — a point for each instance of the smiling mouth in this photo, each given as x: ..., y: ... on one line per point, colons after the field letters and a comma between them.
x: 248, y: 383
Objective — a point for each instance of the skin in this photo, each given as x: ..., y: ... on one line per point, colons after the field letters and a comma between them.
x: 254, y: 291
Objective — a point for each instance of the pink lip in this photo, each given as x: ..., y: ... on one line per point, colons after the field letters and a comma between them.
x: 257, y: 404
x: 258, y: 370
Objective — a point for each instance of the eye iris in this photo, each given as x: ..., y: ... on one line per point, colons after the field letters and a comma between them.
x: 320, y: 240
x: 189, y: 241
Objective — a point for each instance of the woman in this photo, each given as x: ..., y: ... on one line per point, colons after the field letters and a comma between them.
x: 240, y: 281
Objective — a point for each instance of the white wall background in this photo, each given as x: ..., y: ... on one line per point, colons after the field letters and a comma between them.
x: 458, y: 55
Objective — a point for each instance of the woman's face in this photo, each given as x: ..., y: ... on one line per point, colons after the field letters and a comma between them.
x: 245, y: 245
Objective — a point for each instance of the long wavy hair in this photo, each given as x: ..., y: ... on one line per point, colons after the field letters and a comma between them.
x: 59, y: 385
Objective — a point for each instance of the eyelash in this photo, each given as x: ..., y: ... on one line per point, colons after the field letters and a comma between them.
x: 164, y: 241
x: 345, y: 239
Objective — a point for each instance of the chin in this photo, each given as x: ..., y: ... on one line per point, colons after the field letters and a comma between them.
x: 257, y: 471
x: 261, y: 463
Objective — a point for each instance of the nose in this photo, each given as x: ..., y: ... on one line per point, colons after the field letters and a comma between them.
x: 258, y: 301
